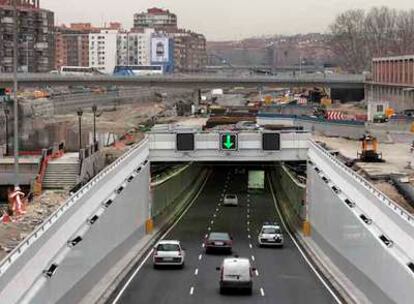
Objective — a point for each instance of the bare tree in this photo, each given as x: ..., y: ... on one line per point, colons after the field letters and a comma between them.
x: 356, y: 37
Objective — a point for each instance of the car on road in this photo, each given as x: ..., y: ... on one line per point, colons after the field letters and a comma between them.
x: 168, y: 253
x: 218, y: 242
x: 236, y: 274
x: 230, y: 200
x: 270, y: 235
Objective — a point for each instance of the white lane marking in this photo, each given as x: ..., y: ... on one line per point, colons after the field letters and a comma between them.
x: 248, y: 236
x: 206, y: 235
x: 248, y: 229
x: 300, y: 249
x: 251, y: 246
x: 256, y: 273
x: 200, y: 257
x: 262, y: 292
x: 191, y: 290
x: 214, y: 215
x: 211, y: 222
x: 253, y: 258
x: 162, y: 237
x: 217, y: 209
x: 248, y: 222
x: 202, y: 245
x: 248, y: 216
x: 209, y: 228
x: 248, y: 210
x: 196, y: 271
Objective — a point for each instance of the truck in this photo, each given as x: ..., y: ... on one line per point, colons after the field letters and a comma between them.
x: 255, y: 182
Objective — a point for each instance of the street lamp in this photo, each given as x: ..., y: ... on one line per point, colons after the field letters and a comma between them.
x: 94, y: 109
x: 6, y: 115
x: 80, y: 113
x: 15, y: 107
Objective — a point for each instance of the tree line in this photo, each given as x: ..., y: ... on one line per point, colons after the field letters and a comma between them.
x: 357, y: 36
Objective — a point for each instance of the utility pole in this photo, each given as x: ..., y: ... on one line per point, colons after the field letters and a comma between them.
x: 6, y: 115
x: 80, y: 113
x: 94, y: 110
x: 15, y: 105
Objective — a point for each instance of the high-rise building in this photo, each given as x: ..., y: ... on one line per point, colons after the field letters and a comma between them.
x: 189, y: 52
x: 72, y: 45
x: 134, y: 48
x: 36, y: 40
x: 155, y: 18
x: 103, y: 50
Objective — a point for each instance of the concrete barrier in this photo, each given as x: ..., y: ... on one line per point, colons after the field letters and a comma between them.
x: 364, y: 233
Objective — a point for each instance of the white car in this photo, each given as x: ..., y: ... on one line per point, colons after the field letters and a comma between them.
x: 270, y: 235
x: 230, y: 200
x: 236, y: 273
x: 168, y: 253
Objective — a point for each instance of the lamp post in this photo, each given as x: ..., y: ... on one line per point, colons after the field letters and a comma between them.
x: 6, y: 115
x: 15, y: 107
x: 80, y: 113
x: 94, y: 109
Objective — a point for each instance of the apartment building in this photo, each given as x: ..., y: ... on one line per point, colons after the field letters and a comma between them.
x: 189, y: 52
x: 392, y: 82
x: 155, y: 18
x: 36, y: 38
x: 134, y: 48
x: 103, y: 50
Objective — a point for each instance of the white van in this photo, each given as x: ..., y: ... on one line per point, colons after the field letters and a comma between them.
x: 236, y: 273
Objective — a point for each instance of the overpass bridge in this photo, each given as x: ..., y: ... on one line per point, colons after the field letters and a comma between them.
x: 360, y: 231
x: 338, y: 81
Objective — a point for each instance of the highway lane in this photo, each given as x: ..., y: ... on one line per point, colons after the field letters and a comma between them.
x: 282, y: 275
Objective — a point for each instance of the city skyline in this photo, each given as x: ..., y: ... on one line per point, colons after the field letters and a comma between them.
x: 261, y: 18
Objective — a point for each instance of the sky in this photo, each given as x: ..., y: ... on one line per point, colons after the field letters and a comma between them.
x: 221, y: 19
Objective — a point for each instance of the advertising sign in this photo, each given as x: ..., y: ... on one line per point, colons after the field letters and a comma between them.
x: 160, y: 49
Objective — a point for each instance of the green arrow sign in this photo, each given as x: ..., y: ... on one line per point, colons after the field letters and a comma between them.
x: 228, y: 144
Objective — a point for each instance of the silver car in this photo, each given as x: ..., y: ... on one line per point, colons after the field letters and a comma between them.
x: 168, y: 253
x: 230, y: 200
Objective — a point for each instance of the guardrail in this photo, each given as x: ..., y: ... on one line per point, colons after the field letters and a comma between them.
x: 371, y: 188
x: 47, y: 223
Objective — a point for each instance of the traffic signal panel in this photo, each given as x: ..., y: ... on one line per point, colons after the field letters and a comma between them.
x: 185, y: 142
x: 229, y: 142
x: 271, y: 141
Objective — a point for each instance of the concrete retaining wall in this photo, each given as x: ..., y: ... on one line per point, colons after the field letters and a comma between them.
x: 168, y: 191
x: 348, y: 218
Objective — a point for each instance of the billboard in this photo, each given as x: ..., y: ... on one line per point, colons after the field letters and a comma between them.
x: 160, y: 50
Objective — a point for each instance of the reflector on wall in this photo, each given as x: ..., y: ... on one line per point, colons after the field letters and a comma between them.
x: 185, y: 141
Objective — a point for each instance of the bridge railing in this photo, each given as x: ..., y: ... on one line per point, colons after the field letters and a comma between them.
x: 48, y: 222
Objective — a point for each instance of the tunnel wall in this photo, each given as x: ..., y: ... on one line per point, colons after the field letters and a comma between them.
x: 167, y: 193
x: 290, y: 195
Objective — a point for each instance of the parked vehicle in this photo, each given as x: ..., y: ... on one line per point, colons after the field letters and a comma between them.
x: 168, y: 253
x: 236, y: 273
x: 218, y: 242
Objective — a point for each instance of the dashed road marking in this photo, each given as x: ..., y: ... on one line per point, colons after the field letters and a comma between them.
x: 262, y: 292
x: 200, y: 257
x: 248, y: 229
x: 248, y: 222
x: 248, y: 236
x: 203, y: 245
x: 206, y: 235
x: 211, y: 222
x: 196, y: 271
x: 214, y: 215
x: 256, y: 273
x: 191, y: 290
x: 217, y: 209
x: 209, y: 228
x: 248, y: 216
x: 251, y: 246
x: 253, y: 258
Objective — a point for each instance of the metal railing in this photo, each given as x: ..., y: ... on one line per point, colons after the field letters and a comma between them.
x: 47, y: 223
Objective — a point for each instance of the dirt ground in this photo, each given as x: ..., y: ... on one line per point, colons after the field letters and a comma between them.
x: 122, y: 120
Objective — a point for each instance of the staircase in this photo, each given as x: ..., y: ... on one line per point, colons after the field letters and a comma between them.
x: 62, y: 173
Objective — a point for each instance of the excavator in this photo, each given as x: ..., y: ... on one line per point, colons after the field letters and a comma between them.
x: 369, y: 152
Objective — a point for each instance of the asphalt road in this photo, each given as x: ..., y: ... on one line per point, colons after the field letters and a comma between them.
x: 282, y: 276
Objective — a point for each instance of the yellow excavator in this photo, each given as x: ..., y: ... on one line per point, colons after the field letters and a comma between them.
x: 369, y: 152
